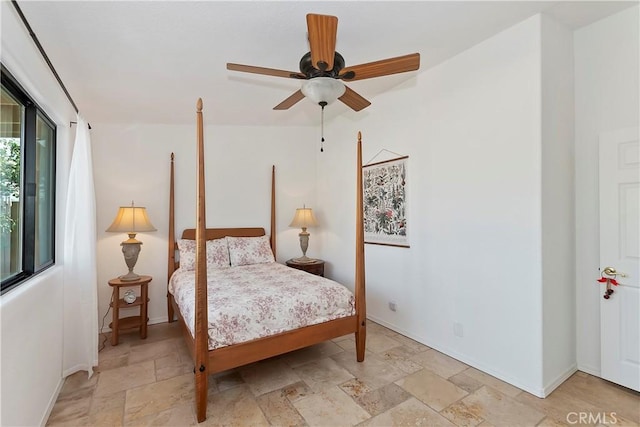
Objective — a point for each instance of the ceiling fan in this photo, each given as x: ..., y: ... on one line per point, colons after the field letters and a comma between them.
x: 323, y: 69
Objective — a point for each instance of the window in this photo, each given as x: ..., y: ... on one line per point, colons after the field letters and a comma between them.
x: 27, y: 185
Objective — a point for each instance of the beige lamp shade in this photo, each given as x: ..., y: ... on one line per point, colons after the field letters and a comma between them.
x: 131, y: 219
x: 304, y: 218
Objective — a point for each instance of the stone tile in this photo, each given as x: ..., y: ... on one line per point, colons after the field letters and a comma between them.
x: 113, y: 356
x: 412, y: 412
x: 153, y: 350
x: 78, y: 385
x: 74, y: 400
x: 163, y: 331
x: 379, y: 400
x: 74, y: 422
x: 307, y: 354
x: 70, y: 411
x: 373, y: 371
x: 278, y: 409
x: 234, y: 407
x: 330, y: 407
x: 114, y: 394
x: 181, y: 415
x: 439, y: 363
x: 228, y: 379
x: 460, y: 415
x: 297, y: 391
x: 431, y: 389
x: 378, y: 343
x: 348, y: 344
x: 412, y: 344
x: 155, y: 333
x: 605, y: 395
x: 171, y: 366
x: 342, y: 338
x: 400, y: 357
x: 113, y: 361
x: 157, y: 397
x: 500, y: 409
x: 107, y: 410
x: 268, y: 375
x: 376, y: 328
x: 550, y: 422
x: 355, y: 388
x: 558, y: 404
x: 322, y: 373
x: 465, y: 382
x: 493, y: 382
x: 126, y: 377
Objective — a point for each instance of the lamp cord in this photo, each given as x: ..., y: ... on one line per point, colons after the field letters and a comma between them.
x: 104, y: 335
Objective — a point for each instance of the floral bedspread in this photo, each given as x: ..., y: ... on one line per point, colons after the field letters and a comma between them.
x: 258, y: 300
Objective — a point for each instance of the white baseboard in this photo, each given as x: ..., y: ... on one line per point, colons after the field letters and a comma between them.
x: 152, y: 321
x: 538, y: 392
x: 546, y: 391
x: 52, y: 402
x: 156, y: 320
x: 590, y: 370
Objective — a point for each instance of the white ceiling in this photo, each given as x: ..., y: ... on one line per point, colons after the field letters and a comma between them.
x: 148, y: 61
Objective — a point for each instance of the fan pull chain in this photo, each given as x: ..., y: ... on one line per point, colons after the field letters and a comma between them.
x: 322, y: 104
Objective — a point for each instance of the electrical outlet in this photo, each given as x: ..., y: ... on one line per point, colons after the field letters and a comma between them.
x: 392, y: 306
x: 458, y: 330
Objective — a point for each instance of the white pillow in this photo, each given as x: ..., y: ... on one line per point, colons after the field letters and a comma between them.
x: 187, y: 250
x: 217, y: 254
x: 249, y: 250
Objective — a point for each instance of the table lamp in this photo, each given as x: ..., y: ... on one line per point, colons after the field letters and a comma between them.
x: 131, y: 220
x: 304, y: 218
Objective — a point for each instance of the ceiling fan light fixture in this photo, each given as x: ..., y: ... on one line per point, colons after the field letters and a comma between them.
x: 323, y: 89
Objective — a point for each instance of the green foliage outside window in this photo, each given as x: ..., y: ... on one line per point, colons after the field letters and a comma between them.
x: 9, y: 180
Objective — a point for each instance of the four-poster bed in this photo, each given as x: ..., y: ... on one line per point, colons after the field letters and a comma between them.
x: 212, y: 356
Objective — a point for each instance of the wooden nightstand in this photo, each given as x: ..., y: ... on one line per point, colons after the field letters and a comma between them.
x: 316, y: 267
x: 131, y: 322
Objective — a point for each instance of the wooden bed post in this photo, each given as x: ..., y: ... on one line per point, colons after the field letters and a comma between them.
x: 361, y: 302
x: 201, y: 353
x: 172, y: 244
x: 272, y: 232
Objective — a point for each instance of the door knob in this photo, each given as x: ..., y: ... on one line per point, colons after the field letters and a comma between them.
x: 610, y: 271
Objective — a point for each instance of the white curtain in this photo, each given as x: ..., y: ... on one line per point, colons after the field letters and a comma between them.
x: 80, y: 275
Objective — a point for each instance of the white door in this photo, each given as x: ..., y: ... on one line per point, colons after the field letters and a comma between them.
x: 620, y: 250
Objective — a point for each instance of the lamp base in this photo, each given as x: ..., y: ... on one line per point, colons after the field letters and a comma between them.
x: 304, y: 260
x: 131, y: 250
x: 129, y: 277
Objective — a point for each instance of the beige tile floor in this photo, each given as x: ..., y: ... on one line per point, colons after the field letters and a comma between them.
x: 401, y: 382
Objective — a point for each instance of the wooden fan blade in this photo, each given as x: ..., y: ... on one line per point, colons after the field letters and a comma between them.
x: 265, y: 71
x: 353, y: 100
x: 290, y: 101
x: 385, y: 67
x: 322, y: 40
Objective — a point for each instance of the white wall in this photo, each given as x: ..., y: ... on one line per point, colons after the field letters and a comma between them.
x: 558, y: 237
x: 32, y: 314
x: 471, y: 128
x: 132, y: 163
x: 606, y: 90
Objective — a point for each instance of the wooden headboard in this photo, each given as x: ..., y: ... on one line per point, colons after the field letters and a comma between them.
x: 218, y: 233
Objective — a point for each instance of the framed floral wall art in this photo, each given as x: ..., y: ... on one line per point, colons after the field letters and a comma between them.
x: 385, y: 202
